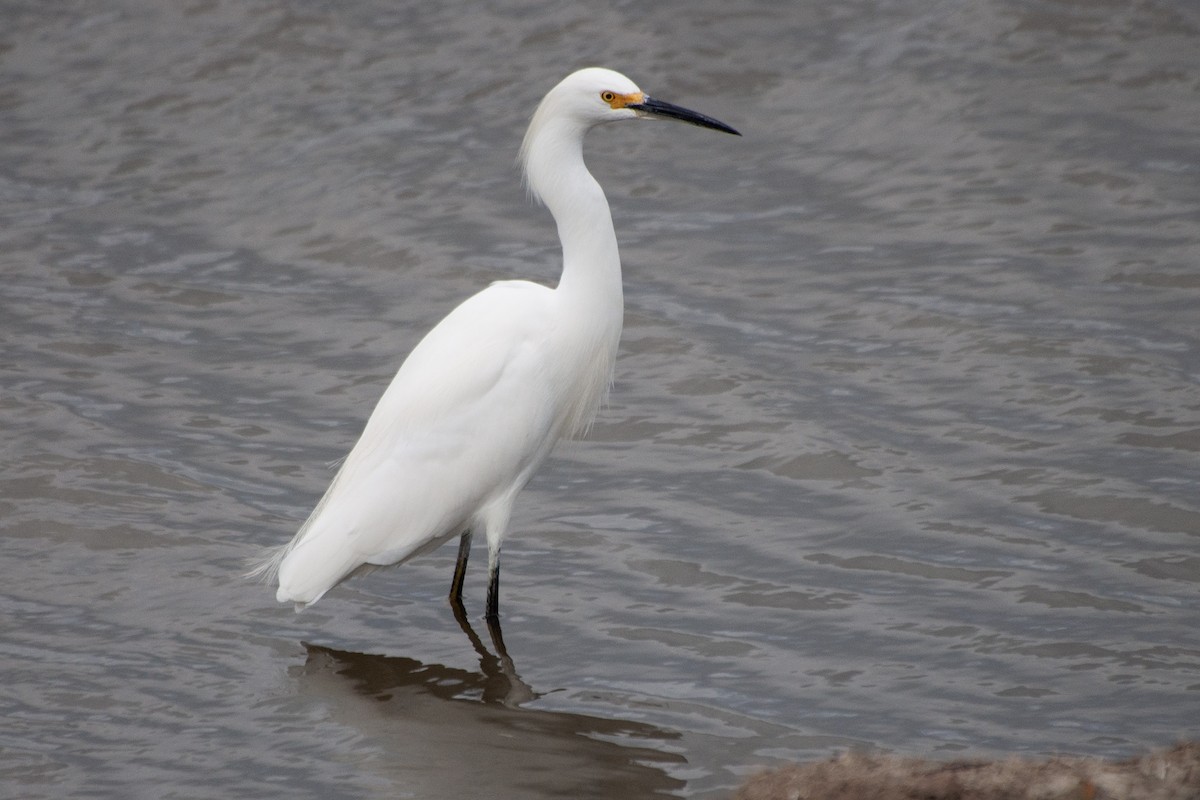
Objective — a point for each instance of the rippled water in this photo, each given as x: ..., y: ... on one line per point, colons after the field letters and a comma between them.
x: 902, y: 451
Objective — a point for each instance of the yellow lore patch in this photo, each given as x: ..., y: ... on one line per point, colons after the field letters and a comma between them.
x: 615, y: 100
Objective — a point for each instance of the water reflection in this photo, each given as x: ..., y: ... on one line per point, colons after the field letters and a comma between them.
x: 439, y: 731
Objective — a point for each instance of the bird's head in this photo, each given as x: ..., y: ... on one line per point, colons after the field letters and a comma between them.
x: 579, y: 102
x: 595, y: 95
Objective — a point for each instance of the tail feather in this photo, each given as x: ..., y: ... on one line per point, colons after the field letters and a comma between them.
x: 264, y: 567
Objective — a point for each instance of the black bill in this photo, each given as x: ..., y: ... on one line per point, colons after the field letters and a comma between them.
x: 658, y: 108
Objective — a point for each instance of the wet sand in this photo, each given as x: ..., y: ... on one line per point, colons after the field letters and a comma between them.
x: 1171, y: 774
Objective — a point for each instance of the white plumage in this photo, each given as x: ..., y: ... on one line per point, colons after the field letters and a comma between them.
x: 481, y: 400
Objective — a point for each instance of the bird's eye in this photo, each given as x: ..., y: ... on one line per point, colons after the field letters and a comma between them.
x: 607, y: 97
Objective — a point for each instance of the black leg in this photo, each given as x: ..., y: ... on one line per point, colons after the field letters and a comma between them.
x: 460, y: 569
x: 493, y: 597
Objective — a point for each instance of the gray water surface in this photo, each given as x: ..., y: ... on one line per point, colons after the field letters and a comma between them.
x: 902, y: 451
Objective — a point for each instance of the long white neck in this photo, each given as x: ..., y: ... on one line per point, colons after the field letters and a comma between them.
x: 555, y: 172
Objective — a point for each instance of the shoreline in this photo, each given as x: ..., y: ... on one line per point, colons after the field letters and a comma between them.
x: 1171, y: 773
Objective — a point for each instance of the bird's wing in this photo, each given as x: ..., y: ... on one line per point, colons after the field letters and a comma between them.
x: 465, y: 418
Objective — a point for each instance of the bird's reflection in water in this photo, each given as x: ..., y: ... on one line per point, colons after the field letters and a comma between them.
x: 502, y: 684
x: 442, y: 732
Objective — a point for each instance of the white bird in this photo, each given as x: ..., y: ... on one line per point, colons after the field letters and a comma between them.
x: 481, y: 400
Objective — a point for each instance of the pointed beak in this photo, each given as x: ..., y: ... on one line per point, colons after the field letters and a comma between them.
x: 657, y: 108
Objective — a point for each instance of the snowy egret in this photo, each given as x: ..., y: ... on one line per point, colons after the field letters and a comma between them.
x: 480, y: 401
